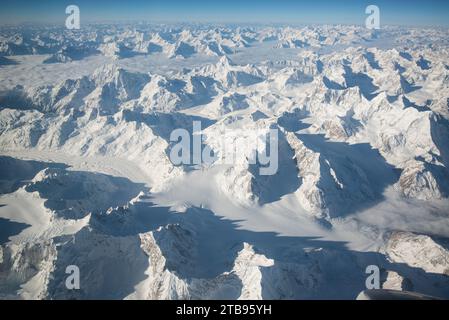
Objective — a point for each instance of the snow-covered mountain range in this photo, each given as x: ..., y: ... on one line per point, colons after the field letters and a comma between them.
x: 86, y: 178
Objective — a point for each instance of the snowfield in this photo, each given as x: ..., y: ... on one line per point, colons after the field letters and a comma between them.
x: 86, y: 178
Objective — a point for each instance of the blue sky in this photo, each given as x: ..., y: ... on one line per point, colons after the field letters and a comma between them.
x: 397, y: 12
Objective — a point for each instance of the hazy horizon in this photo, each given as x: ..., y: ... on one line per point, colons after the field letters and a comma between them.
x: 406, y: 13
